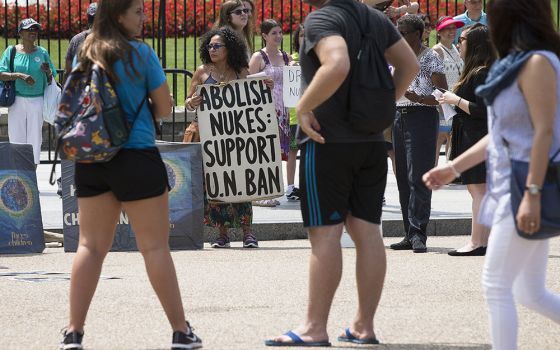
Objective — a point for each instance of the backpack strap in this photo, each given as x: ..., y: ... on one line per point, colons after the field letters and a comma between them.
x: 12, y: 57
x: 264, y: 57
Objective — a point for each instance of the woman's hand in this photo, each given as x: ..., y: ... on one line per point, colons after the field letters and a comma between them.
x: 269, y: 83
x: 439, y: 176
x: 392, y: 11
x: 529, y: 214
x: 45, y: 67
x: 194, y: 101
x: 27, y: 78
x: 449, y: 98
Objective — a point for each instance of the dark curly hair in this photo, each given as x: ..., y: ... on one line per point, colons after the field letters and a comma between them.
x: 236, y: 48
x: 414, y: 22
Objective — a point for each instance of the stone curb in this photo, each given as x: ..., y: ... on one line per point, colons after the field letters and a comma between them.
x: 295, y: 230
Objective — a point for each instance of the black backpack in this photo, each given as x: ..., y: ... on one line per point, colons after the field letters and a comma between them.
x: 371, y: 97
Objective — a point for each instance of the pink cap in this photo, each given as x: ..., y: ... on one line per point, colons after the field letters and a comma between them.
x: 449, y: 21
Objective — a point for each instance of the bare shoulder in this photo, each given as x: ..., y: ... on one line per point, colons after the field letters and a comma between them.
x: 437, y: 48
x: 203, y: 69
x: 537, y: 67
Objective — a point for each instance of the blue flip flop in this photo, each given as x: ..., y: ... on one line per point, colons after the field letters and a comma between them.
x: 350, y: 338
x: 297, y: 341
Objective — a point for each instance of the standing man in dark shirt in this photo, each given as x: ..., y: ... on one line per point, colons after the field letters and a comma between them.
x: 78, y: 39
x: 73, y: 48
x: 343, y: 172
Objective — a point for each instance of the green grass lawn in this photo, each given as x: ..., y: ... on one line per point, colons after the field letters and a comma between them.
x: 181, y: 53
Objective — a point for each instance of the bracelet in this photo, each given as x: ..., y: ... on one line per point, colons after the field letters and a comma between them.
x: 458, y: 103
x: 452, y: 167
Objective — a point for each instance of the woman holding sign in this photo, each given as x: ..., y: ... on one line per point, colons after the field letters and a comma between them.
x: 222, y: 52
x: 470, y: 124
x: 271, y: 60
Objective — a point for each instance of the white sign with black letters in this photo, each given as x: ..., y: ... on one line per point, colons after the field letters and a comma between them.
x: 240, y: 141
x: 291, y: 85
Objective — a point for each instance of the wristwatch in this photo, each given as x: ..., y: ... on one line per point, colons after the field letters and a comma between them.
x: 533, y: 189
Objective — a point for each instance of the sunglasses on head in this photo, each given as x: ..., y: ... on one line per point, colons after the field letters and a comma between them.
x: 241, y: 11
x: 214, y: 46
x: 382, y: 6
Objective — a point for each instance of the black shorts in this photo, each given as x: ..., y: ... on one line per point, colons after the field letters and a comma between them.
x: 338, y: 178
x: 131, y: 175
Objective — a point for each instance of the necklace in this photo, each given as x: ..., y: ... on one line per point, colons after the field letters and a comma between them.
x: 222, y: 75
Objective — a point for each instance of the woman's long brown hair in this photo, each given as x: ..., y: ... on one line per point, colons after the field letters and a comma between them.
x: 226, y: 9
x: 480, y: 53
x: 108, y: 41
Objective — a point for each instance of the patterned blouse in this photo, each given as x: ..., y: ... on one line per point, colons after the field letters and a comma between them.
x: 453, y: 65
x: 430, y: 63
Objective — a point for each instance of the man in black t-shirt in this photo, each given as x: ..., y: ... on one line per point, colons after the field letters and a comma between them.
x: 342, y: 171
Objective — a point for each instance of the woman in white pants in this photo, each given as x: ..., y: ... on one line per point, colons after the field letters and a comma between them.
x: 33, y: 71
x: 523, y: 94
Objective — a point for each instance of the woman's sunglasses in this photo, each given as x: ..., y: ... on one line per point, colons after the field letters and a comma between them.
x: 214, y: 46
x: 239, y: 12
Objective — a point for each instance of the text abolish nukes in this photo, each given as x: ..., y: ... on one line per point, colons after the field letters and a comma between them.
x: 240, y: 142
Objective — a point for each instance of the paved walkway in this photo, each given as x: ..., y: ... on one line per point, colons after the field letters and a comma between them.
x: 451, y: 211
x: 237, y: 298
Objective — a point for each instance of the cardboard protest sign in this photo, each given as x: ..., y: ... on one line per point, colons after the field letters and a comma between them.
x: 21, y: 224
x: 291, y: 85
x: 183, y: 163
x: 240, y: 141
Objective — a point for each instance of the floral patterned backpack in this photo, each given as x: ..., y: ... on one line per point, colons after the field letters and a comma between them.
x: 90, y: 123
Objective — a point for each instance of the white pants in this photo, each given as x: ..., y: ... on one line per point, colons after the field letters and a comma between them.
x: 515, y: 270
x: 25, y: 123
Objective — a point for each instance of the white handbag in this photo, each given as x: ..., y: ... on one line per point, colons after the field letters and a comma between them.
x: 50, y: 101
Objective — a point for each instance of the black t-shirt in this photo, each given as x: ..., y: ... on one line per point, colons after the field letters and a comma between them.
x: 331, y: 20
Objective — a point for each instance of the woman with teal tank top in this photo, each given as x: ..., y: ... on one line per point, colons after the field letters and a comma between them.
x: 135, y: 180
x: 32, y: 71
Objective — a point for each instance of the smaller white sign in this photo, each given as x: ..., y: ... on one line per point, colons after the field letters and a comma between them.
x: 291, y: 85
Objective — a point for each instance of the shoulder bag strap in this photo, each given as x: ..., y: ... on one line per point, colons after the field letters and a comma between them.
x: 12, y: 58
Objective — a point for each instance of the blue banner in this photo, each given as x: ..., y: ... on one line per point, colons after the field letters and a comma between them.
x: 21, y: 226
x: 186, y: 202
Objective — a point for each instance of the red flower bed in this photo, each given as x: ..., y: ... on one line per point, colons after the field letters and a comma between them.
x: 183, y: 17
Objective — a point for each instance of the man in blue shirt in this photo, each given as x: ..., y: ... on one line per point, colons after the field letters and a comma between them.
x: 473, y: 14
